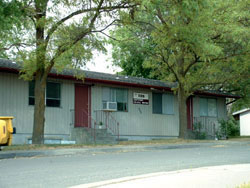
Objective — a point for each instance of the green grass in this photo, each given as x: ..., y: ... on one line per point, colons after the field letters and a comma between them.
x: 240, y: 138
x: 50, y: 146
x: 121, y: 143
x: 162, y: 141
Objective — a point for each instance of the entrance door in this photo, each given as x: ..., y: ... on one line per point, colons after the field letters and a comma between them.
x: 190, y: 113
x: 82, y: 105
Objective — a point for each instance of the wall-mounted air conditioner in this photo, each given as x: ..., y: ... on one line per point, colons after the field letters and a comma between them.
x: 109, y: 106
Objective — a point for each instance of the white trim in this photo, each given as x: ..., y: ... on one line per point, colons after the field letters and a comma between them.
x: 241, y: 111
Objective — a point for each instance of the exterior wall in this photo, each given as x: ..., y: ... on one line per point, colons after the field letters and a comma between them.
x: 14, y: 102
x: 245, y: 124
x: 139, y: 120
x: 210, y: 121
x: 221, y: 107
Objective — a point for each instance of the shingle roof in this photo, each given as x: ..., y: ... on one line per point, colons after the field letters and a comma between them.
x: 8, y: 64
x: 4, y: 63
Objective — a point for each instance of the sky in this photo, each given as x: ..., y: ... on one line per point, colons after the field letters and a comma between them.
x: 102, y: 63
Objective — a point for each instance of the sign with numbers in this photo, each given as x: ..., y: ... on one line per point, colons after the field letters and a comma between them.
x: 140, y: 98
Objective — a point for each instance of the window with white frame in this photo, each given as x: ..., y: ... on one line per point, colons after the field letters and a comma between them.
x: 118, y: 95
x: 163, y: 103
x: 208, y: 107
x: 53, y: 94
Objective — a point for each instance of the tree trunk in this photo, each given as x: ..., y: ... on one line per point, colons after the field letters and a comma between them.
x: 41, y: 76
x: 182, y: 106
x: 39, y: 119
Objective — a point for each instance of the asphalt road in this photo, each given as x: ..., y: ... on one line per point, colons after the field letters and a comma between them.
x: 84, y: 167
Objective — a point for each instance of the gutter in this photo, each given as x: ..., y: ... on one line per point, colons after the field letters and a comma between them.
x: 94, y: 80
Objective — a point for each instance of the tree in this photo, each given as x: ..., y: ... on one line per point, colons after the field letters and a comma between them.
x: 197, y: 43
x: 131, y: 53
x: 11, y: 19
x: 60, y: 34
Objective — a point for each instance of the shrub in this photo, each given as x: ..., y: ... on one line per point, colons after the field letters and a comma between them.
x: 229, y: 127
x: 197, y: 131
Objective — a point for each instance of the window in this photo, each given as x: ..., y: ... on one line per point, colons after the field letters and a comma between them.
x: 53, y: 94
x: 163, y: 103
x: 31, y: 93
x: 120, y: 96
x: 208, y: 107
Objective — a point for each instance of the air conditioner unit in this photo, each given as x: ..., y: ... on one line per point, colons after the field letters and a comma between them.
x: 109, y: 106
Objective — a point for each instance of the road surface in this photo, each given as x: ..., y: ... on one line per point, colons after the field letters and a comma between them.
x: 74, y: 168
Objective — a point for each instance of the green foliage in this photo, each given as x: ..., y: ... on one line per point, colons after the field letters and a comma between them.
x: 242, y: 88
x: 186, y: 41
x: 55, y: 34
x: 200, y: 44
x: 199, y: 134
x: 229, y: 127
x: 10, y: 14
x: 130, y: 52
x: 12, y: 20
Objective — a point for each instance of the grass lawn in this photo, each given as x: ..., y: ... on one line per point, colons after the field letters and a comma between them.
x: 240, y: 138
x: 121, y: 143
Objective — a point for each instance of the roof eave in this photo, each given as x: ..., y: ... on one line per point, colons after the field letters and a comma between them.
x: 217, y: 94
x: 92, y: 80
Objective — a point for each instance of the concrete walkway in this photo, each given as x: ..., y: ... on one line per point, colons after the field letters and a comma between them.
x: 206, y: 177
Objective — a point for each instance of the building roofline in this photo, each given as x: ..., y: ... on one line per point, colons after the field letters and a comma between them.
x: 241, y: 111
x: 96, y: 77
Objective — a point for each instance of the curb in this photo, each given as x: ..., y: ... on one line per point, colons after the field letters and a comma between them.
x: 82, y: 151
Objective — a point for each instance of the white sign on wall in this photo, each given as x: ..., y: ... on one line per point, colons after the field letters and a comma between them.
x: 140, y: 98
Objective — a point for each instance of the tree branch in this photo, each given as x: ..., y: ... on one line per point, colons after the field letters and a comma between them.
x: 159, y: 15
x: 196, y: 60
x: 78, y: 12
x: 107, y: 26
x: 15, y: 45
x: 64, y: 48
x: 170, y: 67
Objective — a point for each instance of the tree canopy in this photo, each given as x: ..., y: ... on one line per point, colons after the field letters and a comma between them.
x: 199, y: 44
x: 56, y: 34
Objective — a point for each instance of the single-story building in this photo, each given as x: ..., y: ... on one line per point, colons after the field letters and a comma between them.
x: 129, y: 107
x: 244, y: 117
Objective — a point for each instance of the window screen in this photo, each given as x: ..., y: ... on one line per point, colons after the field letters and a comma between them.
x: 212, y: 107
x: 208, y: 107
x: 116, y: 95
x: 53, y: 94
x: 157, y: 103
x: 105, y: 94
x: 163, y: 103
x: 31, y: 93
x: 121, y: 99
x: 167, y: 104
x: 203, y: 107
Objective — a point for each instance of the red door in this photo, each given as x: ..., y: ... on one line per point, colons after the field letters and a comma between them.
x: 82, y: 105
x: 190, y: 113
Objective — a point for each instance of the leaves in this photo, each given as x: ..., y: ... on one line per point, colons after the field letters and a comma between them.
x: 200, y: 44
